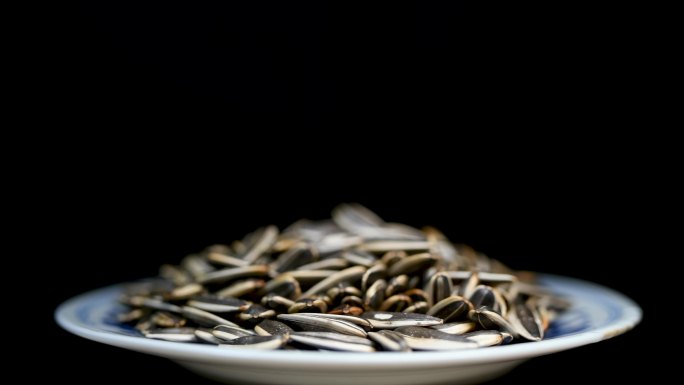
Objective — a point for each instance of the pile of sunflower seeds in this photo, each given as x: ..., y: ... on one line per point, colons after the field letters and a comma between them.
x: 354, y: 283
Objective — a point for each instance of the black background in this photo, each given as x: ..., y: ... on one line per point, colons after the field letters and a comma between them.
x: 561, y: 200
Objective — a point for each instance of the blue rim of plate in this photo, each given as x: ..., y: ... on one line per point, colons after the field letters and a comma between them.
x: 597, y: 313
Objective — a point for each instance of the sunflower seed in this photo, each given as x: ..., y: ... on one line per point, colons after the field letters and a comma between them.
x: 489, y: 319
x: 337, y: 337
x: 350, y: 275
x: 485, y: 337
x: 204, y: 318
x: 232, y: 273
x: 359, y: 257
x: 309, y: 305
x: 456, y: 327
x: 418, y: 307
x: 374, y: 273
x: 227, y: 332
x: 411, y: 264
x: 326, y: 264
x: 205, y: 335
x: 430, y: 339
x: 215, y: 304
x: 167, y: 320
x: 467, y: 287
x: 451, y: 308
x: 240, y: 288
x: 527, y: 321
x: 390, y: 340
x: 396, y: 285
x: 331, y: 344
x: 277, y: 303
x: 295, y: 258
x: 270, y: 327
x: 132, y: 315
x: 284, y: 285
x: 175, y: 334
x: 341, y: 317
x: 263, y: 240
x: 255, y: 314
x: 375, y: 295
x: 309, y: 322
x: 396, y: 303
x: 152, y: 303
x: 391, y: 320
x: 255, y: 342
x: 439, y: 287
x: 226, y: 260
x: 385, y: 246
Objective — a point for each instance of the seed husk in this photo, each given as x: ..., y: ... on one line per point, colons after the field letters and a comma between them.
x: 309, y: 322
x: 456, y: 327
x: 255, y: 314
x: 375, y: 295
x: 485, y: 337
x: 167, y: 320
x: 420, y: 338
x: 241, y: 288
x: 359, y: 257
x: 255, y: 342
x: 392, y: 320
x: 232, y: 273
x: 185, y: 292
x: 269, y: 327
x: 310, y: 277
x: 451, y: 308
x: 350, y: 275
x: 374, y: 273
x: 216, y: 304
x: 226, y: 260
x: 337, y: 337
x: 277, y: 303
x: 395, y: 303
x: 295, y: 258
x: 439, y: 287
x: 490, y: 319
x: 483, y: 296
x: 417, y: 307
x: 490, y: 278
x: 285, y: 285
x: 309, y: 305
x: 152, y: 303
x: 227, y: 332
x: 396, y: 285
x: 467, y: 287
x: 527, y: 321
x: 411, y: 264
x: 390, y: 340
x: 132, y: 315
x: 347, y: 310
x: 351, y: 319
x: 385, y: 246
x: 172, y: 334
x: 204, y: 318
x: 264, y: 238
x: 331, y: 344
x: 326, y: 264
x: 205, y: 335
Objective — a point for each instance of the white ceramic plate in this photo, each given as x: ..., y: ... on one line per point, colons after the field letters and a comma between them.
x: 597, y: 313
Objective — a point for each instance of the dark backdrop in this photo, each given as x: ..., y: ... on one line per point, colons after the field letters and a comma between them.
x: 564, y: 202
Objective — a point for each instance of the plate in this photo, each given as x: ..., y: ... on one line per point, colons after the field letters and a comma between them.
x: 597, y: 313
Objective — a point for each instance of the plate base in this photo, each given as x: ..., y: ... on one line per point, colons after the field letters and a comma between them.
x: 470, y: 374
